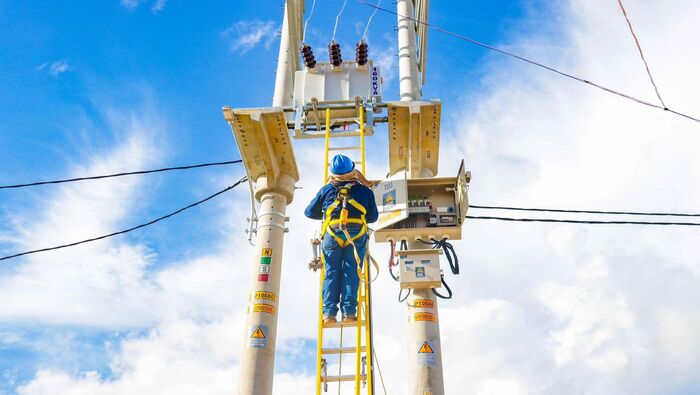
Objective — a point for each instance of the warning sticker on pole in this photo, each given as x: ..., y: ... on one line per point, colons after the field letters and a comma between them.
x: 266, y: 296
x: 426, y: 353
x: 263, y: 277
x: 258, y: 336
x: 264, y: 269
x: 423, y: 304
x: 264, y: 308
x: 266, y: 252
x: 425, y: 317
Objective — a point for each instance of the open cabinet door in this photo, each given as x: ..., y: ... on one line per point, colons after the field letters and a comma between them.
x: 391, y: 196
x: 463, y: 178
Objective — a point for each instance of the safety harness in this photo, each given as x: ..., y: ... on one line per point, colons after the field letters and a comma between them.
x: 342, y: 199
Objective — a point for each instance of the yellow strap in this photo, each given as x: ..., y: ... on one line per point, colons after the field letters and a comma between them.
x: 327, y: 217
x: 358, y: 206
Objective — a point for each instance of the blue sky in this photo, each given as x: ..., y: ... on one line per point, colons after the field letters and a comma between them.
x: 183, y: 61
x: 94, y: 87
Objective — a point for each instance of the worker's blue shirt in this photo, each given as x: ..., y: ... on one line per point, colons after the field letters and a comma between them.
x: 326, y: 196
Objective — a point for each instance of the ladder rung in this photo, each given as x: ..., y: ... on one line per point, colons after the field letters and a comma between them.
x: 343, y: 148
x: 345, y: 377
x: 342, y: 324
x: 342, y: 350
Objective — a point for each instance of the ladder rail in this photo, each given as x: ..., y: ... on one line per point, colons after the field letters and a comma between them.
x: 368, y: 327
x: 364, y: 310
x: 319, y: 347
x: 362, y: 138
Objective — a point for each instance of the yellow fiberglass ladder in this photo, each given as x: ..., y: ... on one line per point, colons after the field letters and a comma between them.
x: 362, y: 350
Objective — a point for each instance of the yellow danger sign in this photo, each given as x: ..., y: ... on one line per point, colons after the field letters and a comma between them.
x: 261, y: 295
x: 425, y: 317
x: 426, y: 349
x: 257, y: 334
x: 266, y: 252
x: 424, y: 304
x: 264, y: 308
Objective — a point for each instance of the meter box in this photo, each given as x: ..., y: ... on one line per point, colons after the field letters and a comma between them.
x: 419, y: 269
x: 421, y: 208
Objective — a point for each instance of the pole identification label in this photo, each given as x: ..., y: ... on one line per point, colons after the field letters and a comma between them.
x: 263, y: 295
x: 264, y: 308
x: 423, y: 304
x: 425, y: 317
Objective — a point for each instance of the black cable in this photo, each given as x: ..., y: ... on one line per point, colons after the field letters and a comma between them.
x: 120, y: 174
x: 449, y: 291
x: 450, y: 253
x: 406, y: 297
x: 572, y: 221
x: 242, y: 180
x: 392, y: 260
x: 532, y: 62
x: 552, y: 210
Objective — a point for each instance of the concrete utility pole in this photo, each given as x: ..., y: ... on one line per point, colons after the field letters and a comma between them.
x: 424, y: 376
x: 258, y: 358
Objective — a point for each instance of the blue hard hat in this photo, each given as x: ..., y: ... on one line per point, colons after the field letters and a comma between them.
x: 341, y: 164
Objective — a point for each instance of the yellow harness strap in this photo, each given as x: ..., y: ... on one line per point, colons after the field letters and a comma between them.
x: 343, y: 195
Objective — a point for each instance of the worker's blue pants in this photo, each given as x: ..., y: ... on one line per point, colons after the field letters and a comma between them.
x: 341, y: 281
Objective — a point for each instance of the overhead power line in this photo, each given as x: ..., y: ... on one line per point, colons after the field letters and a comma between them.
x: 534, y: 63
x: 121, y: 232
x: 119, y: 174
x: 369, y: 21
x: 641, y: 53
x: 554, y: 210
x: 575, y: 221
x: 306, y: 22
x: 337, y: 18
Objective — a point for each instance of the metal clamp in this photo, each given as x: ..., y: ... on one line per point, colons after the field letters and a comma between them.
x: 277, y: 213
x: 275, y: 224
x: 252, y: 228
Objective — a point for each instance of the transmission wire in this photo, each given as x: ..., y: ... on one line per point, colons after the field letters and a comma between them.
x: 337, y: 17
x: 242, y: 180
x: 641, y: 53
x: 554, y: 210
x: 589, y: 222
x: 534, y: 63
x: 369, y: 21
x: 119, y: 174
x: 306, y: 22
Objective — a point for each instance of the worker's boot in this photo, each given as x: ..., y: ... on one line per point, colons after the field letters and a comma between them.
x: 329, y: 320
x: 349, y: 318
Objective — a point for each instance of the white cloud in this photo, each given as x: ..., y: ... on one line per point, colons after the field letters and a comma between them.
x: 130, y: 4
x: 158, y: 5
x: 246, y: 35
x: 55, y: 68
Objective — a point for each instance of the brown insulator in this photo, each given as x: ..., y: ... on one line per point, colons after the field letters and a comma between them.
x: 361, y: 53
x: 334, y: 54
x: 308, y: 55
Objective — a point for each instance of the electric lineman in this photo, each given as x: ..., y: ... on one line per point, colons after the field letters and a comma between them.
x: 418, y: 212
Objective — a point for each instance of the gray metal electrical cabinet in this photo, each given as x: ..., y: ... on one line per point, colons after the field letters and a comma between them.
x: 419, y: 269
